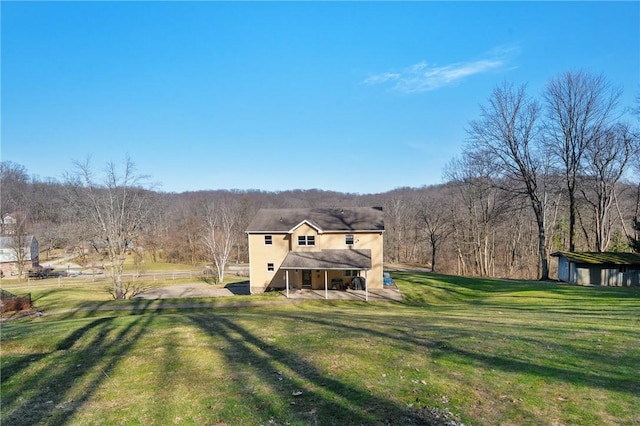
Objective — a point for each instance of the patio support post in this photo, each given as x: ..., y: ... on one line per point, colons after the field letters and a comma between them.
x: 366, y: 286
x: 286, y: 279
x: 326, y: 293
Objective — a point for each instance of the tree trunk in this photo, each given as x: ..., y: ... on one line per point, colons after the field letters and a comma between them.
x: 542, y: 249
x: 433, y: 254
x: 572, y: 219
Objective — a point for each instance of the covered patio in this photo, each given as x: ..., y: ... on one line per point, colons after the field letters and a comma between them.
x: 319, y: 273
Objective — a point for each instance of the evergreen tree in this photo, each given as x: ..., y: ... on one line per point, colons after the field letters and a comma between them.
x: 634, y: 242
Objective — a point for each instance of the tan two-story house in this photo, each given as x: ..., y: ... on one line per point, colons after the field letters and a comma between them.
x: 317, y: 248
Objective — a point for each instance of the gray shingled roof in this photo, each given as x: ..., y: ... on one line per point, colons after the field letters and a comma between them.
x: 325, y: 219
x: 7, y: 242
x: 328, y: 259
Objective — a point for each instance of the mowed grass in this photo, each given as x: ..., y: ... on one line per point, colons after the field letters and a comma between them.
x: 64, y: 294
x: 489, y: 351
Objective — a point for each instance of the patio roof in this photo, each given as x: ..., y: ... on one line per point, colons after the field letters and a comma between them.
x: 328, y: 259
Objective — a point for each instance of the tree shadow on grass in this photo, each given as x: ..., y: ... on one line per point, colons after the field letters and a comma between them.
x: 134, y: 307
x: 322, y: 399
x: 474, y: 287
x: 46, y: 397
x: 576, y: 376
x: 14, y: 367
x: 443, y: 341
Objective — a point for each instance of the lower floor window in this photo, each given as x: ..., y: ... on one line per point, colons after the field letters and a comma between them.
x: 270, y: 267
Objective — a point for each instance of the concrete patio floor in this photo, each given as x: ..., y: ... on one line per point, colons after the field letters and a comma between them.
x: 388, y: 294
x: 391, y: 294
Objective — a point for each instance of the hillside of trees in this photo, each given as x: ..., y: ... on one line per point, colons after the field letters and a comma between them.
x: 537, y: 175
x: 467, y: 226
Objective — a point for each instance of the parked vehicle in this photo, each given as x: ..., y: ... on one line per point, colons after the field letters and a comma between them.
x: 41, y: 272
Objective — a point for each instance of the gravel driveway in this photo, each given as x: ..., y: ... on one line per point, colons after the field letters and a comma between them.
x: 194, y: 290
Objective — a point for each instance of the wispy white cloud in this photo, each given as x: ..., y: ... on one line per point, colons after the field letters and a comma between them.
x: 382, y: 78
x: 423, y: 77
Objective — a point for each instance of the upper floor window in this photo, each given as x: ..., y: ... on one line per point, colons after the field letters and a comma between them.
x: 349, y: 240
x: 306, y: 240
x: 268, y: 240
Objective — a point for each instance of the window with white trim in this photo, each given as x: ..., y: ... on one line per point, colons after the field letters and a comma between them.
x: 268, y: 240
x: 349, y: 239
x: 350, y: 273
x: 306, y: 240
x: 270, y: 267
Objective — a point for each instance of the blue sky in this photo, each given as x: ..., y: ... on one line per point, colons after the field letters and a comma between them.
x: 359, y: 97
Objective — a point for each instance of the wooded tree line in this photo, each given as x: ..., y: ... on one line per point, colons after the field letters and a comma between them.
x: 537, y: 175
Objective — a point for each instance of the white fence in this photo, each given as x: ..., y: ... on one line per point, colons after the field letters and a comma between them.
x: 98, y: 279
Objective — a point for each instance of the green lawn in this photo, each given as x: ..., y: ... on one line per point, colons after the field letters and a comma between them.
x: 55, y: 294
x: 491, y: 352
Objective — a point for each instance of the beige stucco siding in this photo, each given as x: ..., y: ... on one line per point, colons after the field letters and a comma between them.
x: 305, y: 230
x: 362, y: 240
x: 262, y: 255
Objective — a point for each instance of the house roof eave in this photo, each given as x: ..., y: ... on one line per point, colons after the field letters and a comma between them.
x: 306, y: 222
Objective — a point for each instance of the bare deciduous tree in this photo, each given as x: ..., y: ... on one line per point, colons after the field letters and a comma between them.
x: 478, y: 194
x: 434, y: 215
x: 403, y: 240
x: 393, y: 213
x: 14, y: 183
x: 220, y: 233
x: 19, y: 243
x: 116, y: 207
x: 506, y: 135
x: 606, y: 160
x: 579, y: 108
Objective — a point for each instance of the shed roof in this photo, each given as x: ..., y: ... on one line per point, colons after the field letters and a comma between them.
x: 324, y: 219
x: 605, y: 258
x: 328, y: 259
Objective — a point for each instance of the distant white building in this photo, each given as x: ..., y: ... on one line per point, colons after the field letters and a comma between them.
x: 9, y: 254
x: 7, y: 225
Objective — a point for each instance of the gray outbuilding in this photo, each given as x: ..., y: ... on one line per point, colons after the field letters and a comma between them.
x: 601, y: 269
